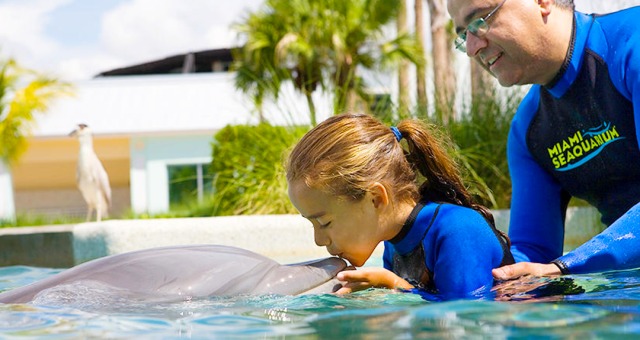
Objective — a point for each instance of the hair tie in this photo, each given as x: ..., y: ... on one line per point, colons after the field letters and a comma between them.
x: 397, y: 133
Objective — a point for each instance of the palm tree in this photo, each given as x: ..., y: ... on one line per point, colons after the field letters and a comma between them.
x: 277, y: 50
x: 257, y: 80
x: 360, y: 43
x: 319, y: 44
x: 403, y: 69
x: 421, y: 73
x: 22, y: 93
x: 444, y: 75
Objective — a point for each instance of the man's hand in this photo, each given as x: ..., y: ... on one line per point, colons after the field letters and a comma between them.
x: 516, y: 270
x: 364, y: 278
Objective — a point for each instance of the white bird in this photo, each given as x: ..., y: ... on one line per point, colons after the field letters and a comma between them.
x: 91, y: 176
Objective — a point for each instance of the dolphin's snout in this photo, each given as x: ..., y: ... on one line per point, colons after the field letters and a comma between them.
x: 332, y: 265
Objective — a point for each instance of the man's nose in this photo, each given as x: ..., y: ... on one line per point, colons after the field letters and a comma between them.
x: 475, y: 44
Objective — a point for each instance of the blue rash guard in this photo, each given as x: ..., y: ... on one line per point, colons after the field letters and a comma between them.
x: 578, y: 137
x: 447, y: 247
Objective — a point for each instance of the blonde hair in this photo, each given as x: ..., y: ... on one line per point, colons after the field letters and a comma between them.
x: 347, y: 153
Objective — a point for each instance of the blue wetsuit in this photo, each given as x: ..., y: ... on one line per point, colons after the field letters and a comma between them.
x: 447, y: 247
x: 578, y: 137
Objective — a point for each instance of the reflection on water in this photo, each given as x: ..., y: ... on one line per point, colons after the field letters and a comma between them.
x: 592, y: 306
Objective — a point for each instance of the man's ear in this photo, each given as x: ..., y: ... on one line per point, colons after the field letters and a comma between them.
x: 545, y: 6
x: 379, y: 195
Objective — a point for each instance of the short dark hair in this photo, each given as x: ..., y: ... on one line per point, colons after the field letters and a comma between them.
x: 566, y: 4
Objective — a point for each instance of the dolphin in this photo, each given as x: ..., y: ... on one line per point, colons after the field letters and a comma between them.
x: 182, y: 273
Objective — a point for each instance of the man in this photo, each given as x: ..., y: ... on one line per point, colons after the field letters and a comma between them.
x: 576, y: 131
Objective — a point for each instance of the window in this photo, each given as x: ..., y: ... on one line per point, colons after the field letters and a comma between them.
x: 189, y: 182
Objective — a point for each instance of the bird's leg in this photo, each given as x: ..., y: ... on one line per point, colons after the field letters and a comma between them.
x: 99, y: 206
x: 89, y: 213
x: 99, y: 212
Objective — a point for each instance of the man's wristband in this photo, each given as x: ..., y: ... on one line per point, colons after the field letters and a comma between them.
x: 562, y: 266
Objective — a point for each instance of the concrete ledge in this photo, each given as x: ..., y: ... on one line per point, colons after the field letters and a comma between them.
x: 285, y: 238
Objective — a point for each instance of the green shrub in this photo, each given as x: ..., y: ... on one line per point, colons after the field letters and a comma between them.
x: 248, y: 172
x: 28, y: 220
x: 480, y: 135
x: 479, y: 143
x: 248, y: 169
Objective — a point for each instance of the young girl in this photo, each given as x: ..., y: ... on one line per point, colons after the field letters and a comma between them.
x: 353, y: 180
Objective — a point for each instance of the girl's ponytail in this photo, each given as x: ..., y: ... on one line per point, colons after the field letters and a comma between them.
x: 442, y: 180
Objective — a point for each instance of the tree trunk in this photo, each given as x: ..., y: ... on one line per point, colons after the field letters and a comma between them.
x: 421, y: 74
x: 403, y: 69
x: 443, y: 72
x: 312, y: 109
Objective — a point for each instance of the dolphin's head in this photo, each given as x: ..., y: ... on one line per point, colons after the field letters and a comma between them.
x: 174, y: 273
x: 311, y: 277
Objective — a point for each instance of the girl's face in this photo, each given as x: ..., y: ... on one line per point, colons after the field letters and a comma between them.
x: 349, y: 229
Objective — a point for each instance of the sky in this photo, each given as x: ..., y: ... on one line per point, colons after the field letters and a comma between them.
x: 77, y: 39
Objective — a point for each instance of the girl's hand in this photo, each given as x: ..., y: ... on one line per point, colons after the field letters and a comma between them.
x: 364, y: 278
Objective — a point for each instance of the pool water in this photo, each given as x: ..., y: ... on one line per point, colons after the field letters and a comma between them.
x: 591, y: 306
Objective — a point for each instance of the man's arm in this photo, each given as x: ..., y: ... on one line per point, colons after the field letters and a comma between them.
x: 617, y: 247
x: 536, y: 227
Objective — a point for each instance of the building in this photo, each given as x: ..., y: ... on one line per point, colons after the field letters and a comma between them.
x: 147, y: 120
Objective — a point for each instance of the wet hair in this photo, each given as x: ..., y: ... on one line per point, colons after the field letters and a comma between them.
x: 565, y: 4
x: 347, y: 153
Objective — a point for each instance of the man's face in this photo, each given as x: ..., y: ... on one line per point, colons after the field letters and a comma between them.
x: 509, y: 45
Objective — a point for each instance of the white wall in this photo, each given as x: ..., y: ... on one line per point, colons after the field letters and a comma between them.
x: 7, y: 206
x: 600, y: 6
x: 150, y: 157
x: 167, y: 104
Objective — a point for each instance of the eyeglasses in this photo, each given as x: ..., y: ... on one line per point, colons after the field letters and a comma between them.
x: 478, y: 27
